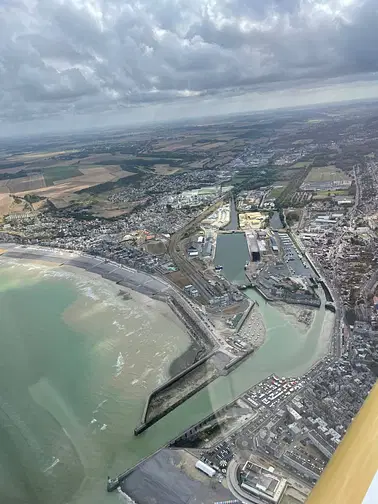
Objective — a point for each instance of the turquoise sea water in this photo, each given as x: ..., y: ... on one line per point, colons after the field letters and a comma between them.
x: 76, y: 365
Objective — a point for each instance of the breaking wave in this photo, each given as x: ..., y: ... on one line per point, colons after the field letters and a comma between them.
x: 123, y: 497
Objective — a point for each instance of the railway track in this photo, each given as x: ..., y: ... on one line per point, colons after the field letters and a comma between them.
x: 178, y: 257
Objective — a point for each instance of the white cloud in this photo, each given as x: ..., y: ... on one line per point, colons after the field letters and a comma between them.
x: 90, y: 56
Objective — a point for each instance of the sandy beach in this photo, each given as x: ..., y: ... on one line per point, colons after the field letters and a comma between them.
x: 325, y: 337
x: 55, y: 266
x: 82, y: 276
x: 293, y: 312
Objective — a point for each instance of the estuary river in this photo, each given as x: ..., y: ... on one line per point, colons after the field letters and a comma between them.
x: 76, y: 365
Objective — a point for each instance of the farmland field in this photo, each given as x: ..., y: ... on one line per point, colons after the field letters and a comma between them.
x: 198, y: 164
x: 63, y: 191
x: 173, y: 145
x: 57, y: 173
x: 239, y: 178
x: 32, y: 182
x: 33, y: 156
x: 15, y: 169
x: 302, y: 164
x: 3, y: 186
x: 164, y: 169
x: 325, y: 174
x: 208, y: 146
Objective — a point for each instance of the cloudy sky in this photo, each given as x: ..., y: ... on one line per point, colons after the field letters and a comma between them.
x: 75, y: 63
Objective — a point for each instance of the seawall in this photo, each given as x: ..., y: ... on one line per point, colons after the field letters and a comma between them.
x: 238, y: 360
x: 327, y: 292
x: 176, y: 380
x: 244, y: 317
x: 147, y: 423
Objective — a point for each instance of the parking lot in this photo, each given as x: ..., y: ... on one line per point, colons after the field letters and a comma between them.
x: 219, y: 457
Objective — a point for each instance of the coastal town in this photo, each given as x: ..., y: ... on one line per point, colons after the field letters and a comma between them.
x: 260, y: 234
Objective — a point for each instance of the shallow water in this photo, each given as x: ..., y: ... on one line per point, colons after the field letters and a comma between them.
x: 76, y: 364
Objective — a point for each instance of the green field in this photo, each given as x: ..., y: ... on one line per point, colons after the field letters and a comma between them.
x: 321, y: 195
x: 338, y: 192
x: 238, y: 179
x: 277, y: 191
x: 325, y: 174
x: 301, y: 164
x: 56, y: 173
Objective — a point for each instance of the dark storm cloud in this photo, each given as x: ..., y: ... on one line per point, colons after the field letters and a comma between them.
x: 86, y: 56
